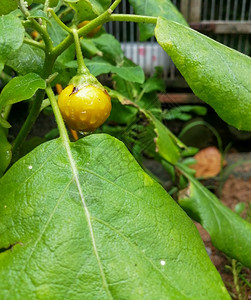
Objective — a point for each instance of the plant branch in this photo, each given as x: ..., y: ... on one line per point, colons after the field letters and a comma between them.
x: 60, y: 23
x: 46, y: 5
x: 33, y: 43
x: 61, y: 126
x: 103, y: 18
x: 23, y: 8
x: 45, y: 36
x: 30, y: 120
x: 133, y: 18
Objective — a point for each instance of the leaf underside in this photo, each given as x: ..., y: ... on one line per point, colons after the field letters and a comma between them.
x: 218, y: 75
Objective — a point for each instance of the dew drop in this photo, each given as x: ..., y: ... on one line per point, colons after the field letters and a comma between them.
x: 162, y: 262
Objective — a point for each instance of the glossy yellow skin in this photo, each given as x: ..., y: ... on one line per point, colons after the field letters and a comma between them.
x: 91, y: 33
x: 85, y: 109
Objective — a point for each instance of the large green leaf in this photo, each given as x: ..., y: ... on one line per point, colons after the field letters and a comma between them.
x: 5, y: 151
x: 11, y: 35
x: 229, y: 232
x: 83, y: 221
x: 155, y: 8
x: 217, y: 74
x: 27, y: 59
x: 21, y: 88
x: 88, y: 9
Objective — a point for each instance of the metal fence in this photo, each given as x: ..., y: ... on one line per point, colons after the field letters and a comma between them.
x: 227, y: 21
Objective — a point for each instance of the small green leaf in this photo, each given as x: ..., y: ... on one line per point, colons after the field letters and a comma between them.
x: 5, y: 151
x: 21, y: 88
x: 155, y: 8
x: 56, y: 32
x: 229, y: 232
x: 89, y: 223
x: 122, y: 114
x: 128, y: 71
x: 27, y: 59
x: 88, y: 47
x: 165, y: 145
x: 11, y: 35
x: 39, y: 14
x: 218, y: 75
x: 4, y: 123
x: 183, y: 112
x: 88, y: 9
x: 110, y: 47
x: 154, y: 83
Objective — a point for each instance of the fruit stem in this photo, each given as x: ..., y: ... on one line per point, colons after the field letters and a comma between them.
x: 82, y: 69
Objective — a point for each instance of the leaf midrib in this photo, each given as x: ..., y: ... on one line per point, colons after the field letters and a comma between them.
x: 87, y: 214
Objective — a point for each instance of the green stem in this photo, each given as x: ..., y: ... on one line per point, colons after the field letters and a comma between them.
x: 82, y: 69
x: 141, y: 95
x: 236, y: 280
x: 23, y: 8
x: 61, y: 126
x: 33, y: 43
x: 133, y: 18
x: 30, y: 120
x: 44, y: 34
x: 60, y: 23
x: 46, y: 5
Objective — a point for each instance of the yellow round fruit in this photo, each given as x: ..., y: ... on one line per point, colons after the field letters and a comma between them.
x: 91, y: 33
x: 84, y: 109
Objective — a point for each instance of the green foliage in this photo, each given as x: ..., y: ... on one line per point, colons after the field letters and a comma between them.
x: 8, y: 6
x: 215, y: 72
x: 11, y: 36
x: 86, y: 9
x: 220, y: 222
x: 27, y: 59
x: 165, y: 145
x: 156, y: 8
x: 21, y: 88
x: 76, y: 217
x: 184, y: 112
x: 83, y: 219
x: 5, y: 151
